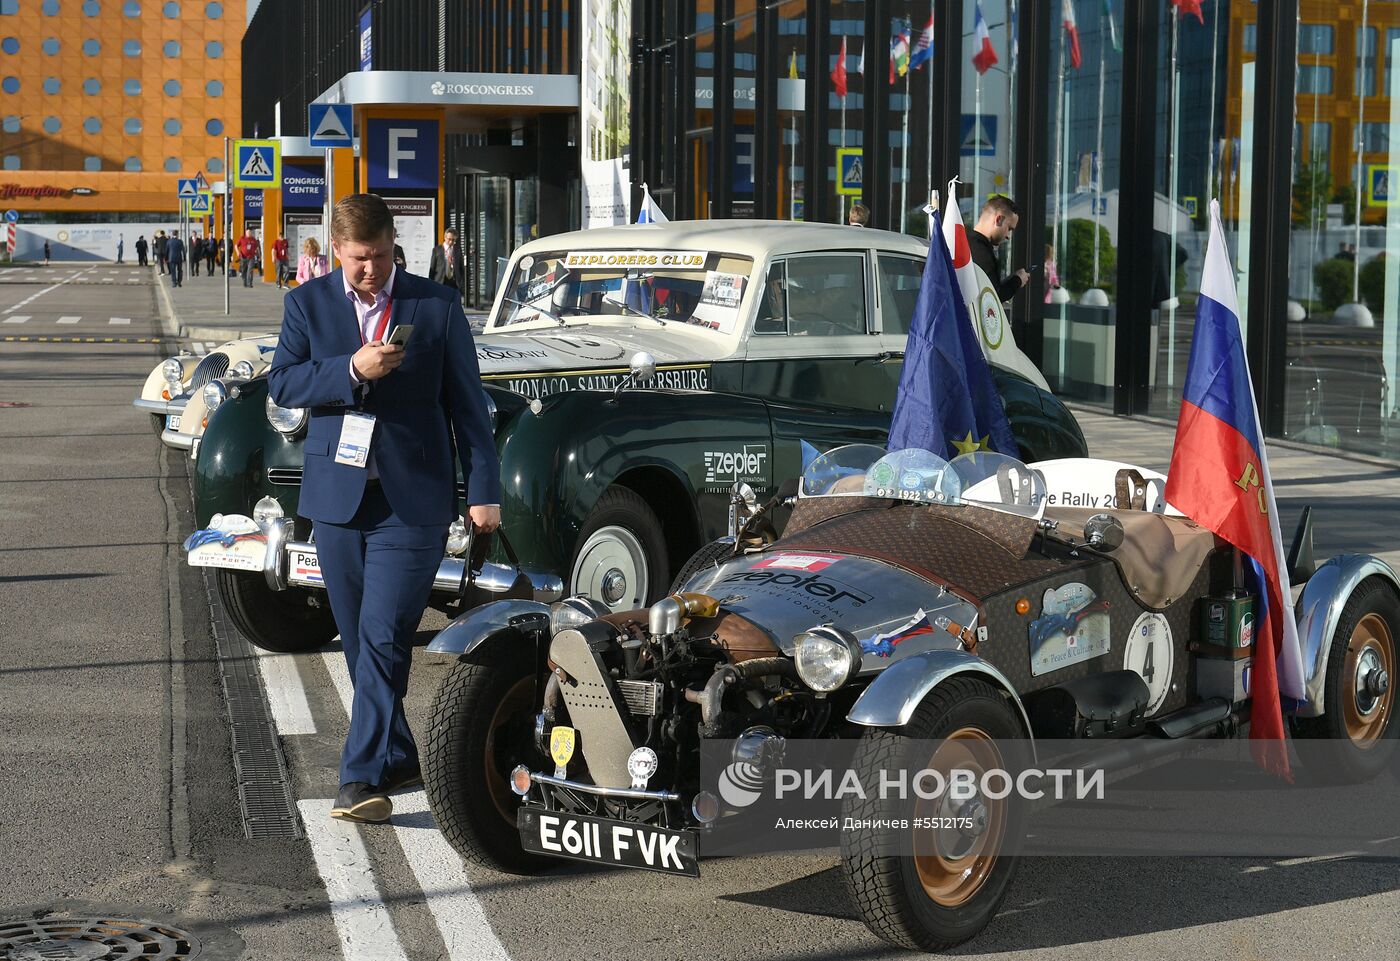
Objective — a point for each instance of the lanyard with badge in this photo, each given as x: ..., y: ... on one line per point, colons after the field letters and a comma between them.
x: 357, y: 428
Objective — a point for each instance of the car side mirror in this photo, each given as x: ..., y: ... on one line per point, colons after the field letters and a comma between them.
x: 1103, y: 532
x: 641, y: 372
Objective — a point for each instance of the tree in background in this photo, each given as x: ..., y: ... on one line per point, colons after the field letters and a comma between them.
x: 1312, y: 190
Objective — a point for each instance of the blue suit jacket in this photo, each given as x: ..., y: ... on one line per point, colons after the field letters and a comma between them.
x: 434, y: 398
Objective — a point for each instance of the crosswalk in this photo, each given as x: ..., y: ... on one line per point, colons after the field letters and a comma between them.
x: 71, y: 320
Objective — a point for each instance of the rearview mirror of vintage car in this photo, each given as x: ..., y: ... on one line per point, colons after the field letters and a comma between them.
x: 643, y: 368
x: 1103, y: 532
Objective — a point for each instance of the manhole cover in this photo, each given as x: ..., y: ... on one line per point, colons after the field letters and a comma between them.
x: 93, y: 939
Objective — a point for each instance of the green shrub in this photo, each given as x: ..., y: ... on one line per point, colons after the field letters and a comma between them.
x: 1333, y: 281
x: 1373, y: 283
x: 1076, y: 264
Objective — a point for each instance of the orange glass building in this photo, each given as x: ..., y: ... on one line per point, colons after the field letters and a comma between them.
x: 104, y: 103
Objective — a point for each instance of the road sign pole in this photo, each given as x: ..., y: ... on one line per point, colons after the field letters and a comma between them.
x: 228, y: 220
x: 329, y: 204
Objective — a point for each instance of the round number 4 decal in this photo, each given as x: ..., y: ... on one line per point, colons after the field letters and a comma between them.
x: 1150, y: 652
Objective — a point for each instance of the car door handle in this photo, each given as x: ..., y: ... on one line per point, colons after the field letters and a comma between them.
x: 883, y: 357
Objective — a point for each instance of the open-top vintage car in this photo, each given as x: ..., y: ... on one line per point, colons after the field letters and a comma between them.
x: 909, y: 598
x: 173, y: 393
x: 749, y: 340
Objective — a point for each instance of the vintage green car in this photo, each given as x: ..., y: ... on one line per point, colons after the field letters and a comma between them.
x: 637, y: 374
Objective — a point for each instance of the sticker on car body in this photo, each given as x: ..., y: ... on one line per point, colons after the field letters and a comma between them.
x: 798, y: 562
x: 1072, y: 627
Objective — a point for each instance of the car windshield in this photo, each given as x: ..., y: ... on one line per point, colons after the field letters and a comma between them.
x: 981, y: 478
x: 696, y: 287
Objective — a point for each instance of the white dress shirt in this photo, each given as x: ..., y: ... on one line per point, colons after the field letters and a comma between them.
x: 368, y: 317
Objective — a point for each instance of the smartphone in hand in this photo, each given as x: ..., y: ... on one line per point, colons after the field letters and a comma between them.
x: 400, y: 334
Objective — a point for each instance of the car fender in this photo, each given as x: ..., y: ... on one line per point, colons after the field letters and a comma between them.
x: 1318, y: 612
x: 512, y: 618
x: 559, y: 457
x: 891, y: 699
x: 230, y: 475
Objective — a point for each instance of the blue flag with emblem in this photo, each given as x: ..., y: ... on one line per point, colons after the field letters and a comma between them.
x: 947, y: 402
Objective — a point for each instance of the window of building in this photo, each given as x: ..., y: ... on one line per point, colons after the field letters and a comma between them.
x: 52, y: 85
x: 10, y: 124
x: 9, y: 45
x: 132, y: 125
x: 1375, y: 137
x: 1366, y: 61
x: 172, y: 165
x: 132, y: 165
x: 92, y: 125
x: 1315, y: 38
x: 10, y: 85
x: 11, y: 162
x: 214, y: 10
x: 52, y: 125
x: 1250, y: 38
x: 1314, y: 79
x: 171, y: 10
x: 131, y: 87
x: 92, y: 47
x: 1319, y: 142
x: 172, y: 127
x: 131, y: 9
x: 214, y: 127
x: 131, y: 48
x: 50, y: 46
x: 9, y: 8
x: 215, y: 165
x: 214, y: 49
x: 171, y: 88
x: 50, y: 8
x: 171, y: 48
x: 214, y: 88
x: 92, y: 164
x: 91, y: 8
x: 92, y: 86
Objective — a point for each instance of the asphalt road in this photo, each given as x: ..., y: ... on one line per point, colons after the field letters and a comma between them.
x: 119, y: 793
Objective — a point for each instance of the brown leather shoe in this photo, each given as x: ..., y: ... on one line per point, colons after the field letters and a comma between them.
x: 363, y: 803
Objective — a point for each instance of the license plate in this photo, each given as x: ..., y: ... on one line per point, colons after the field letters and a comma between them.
x: 605, y: 841
x: 304, y: 567
x: 172, y: 422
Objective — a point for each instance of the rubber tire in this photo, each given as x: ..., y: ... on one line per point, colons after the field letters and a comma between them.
x: 885, y: 888
x: 453, y: 759
x: 624, y: 507
x: 1325, y: 764
x: 279, y: 621
x: 711, y: 555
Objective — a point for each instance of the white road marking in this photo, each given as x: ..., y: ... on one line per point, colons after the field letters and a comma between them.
x: 438, y: 868
x: 19, y: 319
x: 361, y: 919
x: 126, y: 321
x: 285, y: 694
x: 35, y: 296
x: 68, y: 320
x: 340, y: 676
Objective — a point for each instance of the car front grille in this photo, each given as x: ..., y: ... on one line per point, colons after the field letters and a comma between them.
x: 643, y: 697
x: 212, y: 366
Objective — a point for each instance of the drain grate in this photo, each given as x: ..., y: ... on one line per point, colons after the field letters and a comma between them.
x: 93, y: 939
x: 264, y: 790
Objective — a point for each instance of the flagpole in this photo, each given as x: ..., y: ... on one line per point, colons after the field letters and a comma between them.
x: 1011, y: 38
x: 976, y: 140
x: 929, y: 164
x: 843, y: 123
x: 904, y: 158
x: 1214, y: 50
x: 1098, y: 155
x: 1173, y: 160
x: 228, y: 219
x: 1360, y: 146
x: 1059, y: 190
x: 792, y: 169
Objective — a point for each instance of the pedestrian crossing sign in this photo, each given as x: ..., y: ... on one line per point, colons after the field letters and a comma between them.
x: 200, y: 182
x: 1378, y: 184
x: 850, y: 171
x: 202, y: 203
x: 257, y: 163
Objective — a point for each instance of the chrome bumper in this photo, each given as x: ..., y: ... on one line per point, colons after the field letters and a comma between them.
x: 174, y: 438
x: 151, y: 406
x: 627, y: 793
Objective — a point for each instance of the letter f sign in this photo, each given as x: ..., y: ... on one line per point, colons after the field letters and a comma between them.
x: 396, y: 152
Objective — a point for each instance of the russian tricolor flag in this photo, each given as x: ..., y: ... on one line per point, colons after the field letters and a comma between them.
x: 984, y: 56
x: 1220, y: 478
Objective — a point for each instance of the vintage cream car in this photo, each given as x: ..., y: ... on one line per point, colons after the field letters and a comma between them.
x: 173, y: 392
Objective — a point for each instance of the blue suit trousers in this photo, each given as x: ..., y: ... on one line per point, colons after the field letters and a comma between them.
x: 378, y: 573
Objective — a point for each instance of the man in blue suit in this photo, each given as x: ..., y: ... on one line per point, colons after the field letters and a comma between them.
x: 175, y: 255
x: 379, y: 483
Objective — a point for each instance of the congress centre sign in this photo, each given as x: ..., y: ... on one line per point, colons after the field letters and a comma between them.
x: 390, y: 87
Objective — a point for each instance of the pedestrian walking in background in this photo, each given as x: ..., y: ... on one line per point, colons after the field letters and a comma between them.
x: 141, y: 248
x: 47, y: 253
x: 312, y: 263
x: 175, y: 257
x: 995, y: 223
x: 279, y: 257
x: 196, y: 252
x: 380, y: 507
x: 212, y: 252
x: 859, y: 216
x: 446, y: 264
x: 121, y: 246
x: 247, y: 255
x: 160, y: 244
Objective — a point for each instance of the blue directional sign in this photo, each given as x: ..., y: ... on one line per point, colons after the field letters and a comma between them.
x: 189, y: 187
x: 402, y: 153
x: 977, y: 135
x: 12, y: 216
x: 331, y: 124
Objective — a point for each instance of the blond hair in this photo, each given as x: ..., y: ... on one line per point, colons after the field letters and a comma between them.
x: 311, y: 247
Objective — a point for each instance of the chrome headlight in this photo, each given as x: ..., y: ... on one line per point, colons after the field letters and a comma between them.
x: 173, y: 370
x: 827, y: 657
x: 457, y: 539
x: 242, y: 369
x: 575, y: 611
x: 213, y: 394
x: 287, y: 420
x: 266, y: 511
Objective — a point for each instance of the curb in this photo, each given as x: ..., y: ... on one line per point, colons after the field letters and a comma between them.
x: 169, y: 322
x: 222, y: 334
